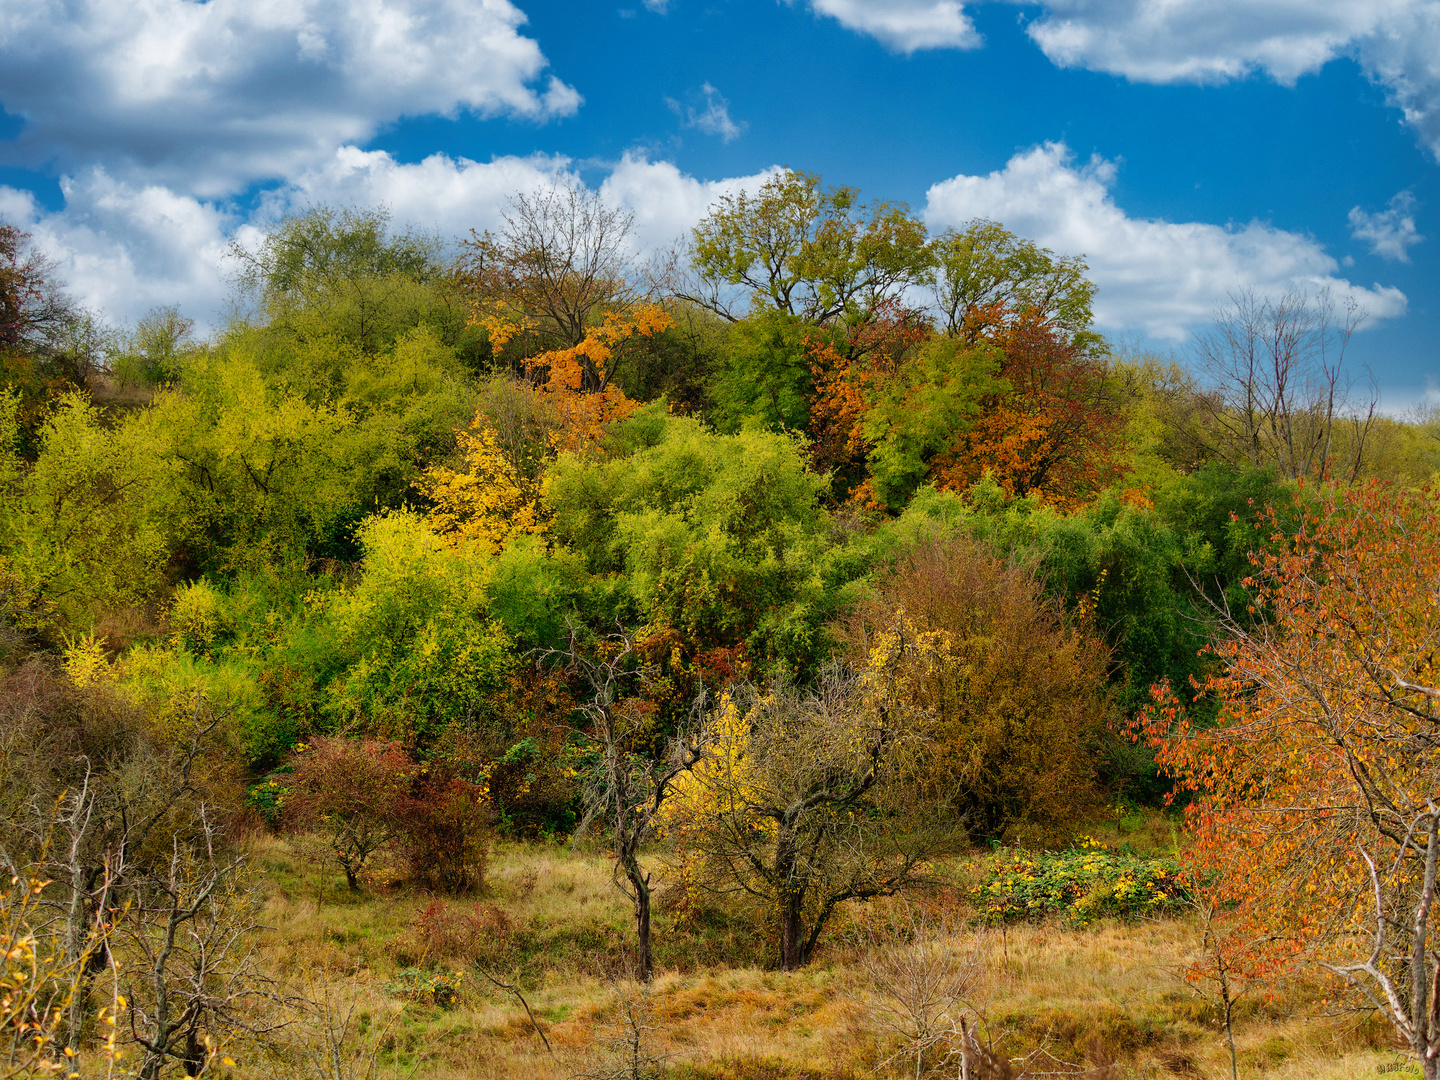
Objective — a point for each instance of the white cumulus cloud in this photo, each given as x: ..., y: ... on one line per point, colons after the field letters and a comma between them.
x: 1389, y: 232
x: 125, y: 248
x: 1158, y: 276
x: 1208, y: 41
x: 905, y: 26
x: 209, y: 97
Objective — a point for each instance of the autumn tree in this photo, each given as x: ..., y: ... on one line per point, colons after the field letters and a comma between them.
x: 1011, y: 688
x: 562, y: 259
x: 1054, y: 426
x: 984, y: 268
x: 1313, y: 796
x: 814, y: 252
x: 351, y: 793
x: 808, y: 798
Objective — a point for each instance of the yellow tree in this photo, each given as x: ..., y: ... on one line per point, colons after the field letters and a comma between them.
x: 493, y: 495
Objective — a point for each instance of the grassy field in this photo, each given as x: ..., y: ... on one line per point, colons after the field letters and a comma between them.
x: 400, y: 993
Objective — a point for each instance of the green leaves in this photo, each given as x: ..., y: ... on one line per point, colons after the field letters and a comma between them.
x: 921, y: 412
x: 813, y: 252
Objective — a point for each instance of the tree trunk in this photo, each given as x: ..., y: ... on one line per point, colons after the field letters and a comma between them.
x: 790, y: 895
x: 640, y: 897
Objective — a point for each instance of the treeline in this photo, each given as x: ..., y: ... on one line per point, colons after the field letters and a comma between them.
x: 519, y: 520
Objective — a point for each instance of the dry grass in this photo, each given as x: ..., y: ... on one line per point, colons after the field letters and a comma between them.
x: 1106, y: 996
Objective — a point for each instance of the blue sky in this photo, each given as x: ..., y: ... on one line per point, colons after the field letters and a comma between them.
x: 1186, y: 148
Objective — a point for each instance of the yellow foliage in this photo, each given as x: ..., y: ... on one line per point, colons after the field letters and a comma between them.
x: 489, y: 501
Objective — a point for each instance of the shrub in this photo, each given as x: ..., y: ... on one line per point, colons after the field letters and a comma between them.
x: 444, y: 840
x: 354, y: 793
x: 1080, y: 885
x: 481, y: 934
x: 440, y: 988
x: 1015, y: 689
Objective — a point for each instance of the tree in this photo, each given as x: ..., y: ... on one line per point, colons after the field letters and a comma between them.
x: 919, y: 413
x: 627, y: 787
x: 1012, y: 690
x: 351, y: 792
x: 49, y: 345
x: 1279, y: 393
x: 1053, y: 426
x: 985, y: 270
x: 809, y: 798
x: 816, y: 253
x: 1314, y: 803
x: 562, y: 260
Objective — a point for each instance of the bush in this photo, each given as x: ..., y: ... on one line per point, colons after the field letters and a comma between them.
x: 444, y: 840
x: 354, y: 793
x: 1080, y: 885
x: 1015, y: 689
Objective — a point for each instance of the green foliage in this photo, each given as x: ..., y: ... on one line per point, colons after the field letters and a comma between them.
x: 920, y: 412
x: 440, y: 988
x: 345, y: 274
x: 423, y: 652
x: 156, y: 351
x: 721, y: 538
x: 85, y: 525
x: 1080, y: 885
x: 985, y: 264
x: 765, y: 377
x: 816, y: 253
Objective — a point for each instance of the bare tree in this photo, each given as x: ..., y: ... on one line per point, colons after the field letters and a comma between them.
x: 921, y: 986
x: 191, y: 976
x: 627, y: 787
x: 562, y: 258
x: 1400, y: 977
x: 1279, y: 392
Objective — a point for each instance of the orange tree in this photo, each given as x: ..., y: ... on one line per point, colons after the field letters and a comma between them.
x: 1316, y: 794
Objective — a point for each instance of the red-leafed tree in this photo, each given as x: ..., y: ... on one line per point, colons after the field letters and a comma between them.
x: 1056, y: 428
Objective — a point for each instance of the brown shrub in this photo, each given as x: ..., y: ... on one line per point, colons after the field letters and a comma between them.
x: 1016, y: 690
x: 444, y: 837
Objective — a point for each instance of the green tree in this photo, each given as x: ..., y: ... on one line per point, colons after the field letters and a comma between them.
x: 918, y: 413
x: 985, y: 266
x: 814, y: 252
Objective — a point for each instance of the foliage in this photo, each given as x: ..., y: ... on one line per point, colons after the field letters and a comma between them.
x: 813, y: 252
x: 351, y: 792
x: 444, y: 839
x: 1313, y: 806
x: 419, y: 650
x: 1011, y: 690
x: 916, y: 416
x: 1053, y: 426
x: 719, y: 538
x: 984, y: 269
x: 808, y: 798
x: 1080, y: 885
x: 440, y: 988
x: 84, y: 525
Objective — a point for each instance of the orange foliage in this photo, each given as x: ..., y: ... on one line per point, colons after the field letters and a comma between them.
x: 845, y: 384
x: 1057, y: 432
x: 577, y: 384
x: 1324, y: 754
